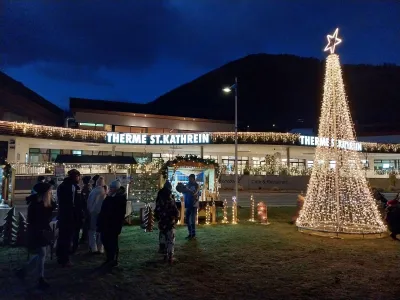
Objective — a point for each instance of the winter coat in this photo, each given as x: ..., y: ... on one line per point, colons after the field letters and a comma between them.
x: 112, y: 213
x: 39, y: 218
x: 70, y: 206
x: 166, y: 211
x: 393, y: 218
x: 191, y: 195
x: 86, y: 189
x: 94, y: 203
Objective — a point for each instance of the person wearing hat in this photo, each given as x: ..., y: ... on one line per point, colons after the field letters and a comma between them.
x: 70, y: 215
x: 110, y: 221
x: 86, y: 189
x: 167, y: 214
x: 39, y: 233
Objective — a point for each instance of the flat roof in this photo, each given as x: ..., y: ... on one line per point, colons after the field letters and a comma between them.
x: 128, y: 109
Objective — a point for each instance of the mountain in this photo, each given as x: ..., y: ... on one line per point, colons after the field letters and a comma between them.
x: 285, y: 91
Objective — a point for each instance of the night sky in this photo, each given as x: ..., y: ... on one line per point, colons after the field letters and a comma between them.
x: 138, y: 50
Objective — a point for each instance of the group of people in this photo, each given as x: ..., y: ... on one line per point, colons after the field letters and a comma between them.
x: 95, y: 210
x: 95, y: 213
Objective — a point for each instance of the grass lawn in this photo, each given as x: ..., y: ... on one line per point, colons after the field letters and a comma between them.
x: 244, y: 261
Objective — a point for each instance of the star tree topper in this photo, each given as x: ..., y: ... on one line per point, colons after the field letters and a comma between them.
x: 333, y: 41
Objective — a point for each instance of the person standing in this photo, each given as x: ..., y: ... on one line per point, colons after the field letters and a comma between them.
x: 110, y: 221
x: 94, y: 203
x: 39, y: 233
x: 191, y: 195
x: 94, y: 180
x: 167, y: 214
x: 86, y: 189
x: 40, y: 179
x: 69, y: 216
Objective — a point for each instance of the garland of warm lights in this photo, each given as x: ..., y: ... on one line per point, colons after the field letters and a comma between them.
x: 234, y: 210
x: 252, y: 209
x: 189, y: 161
x: 95, y: 136
x: 338, y: 199
x: 208, y: 215
x: 225, y: 209
x: 262, y: 212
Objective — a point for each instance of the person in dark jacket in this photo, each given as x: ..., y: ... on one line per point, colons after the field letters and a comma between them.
x: 70, y: 213
x: 393, y: 217
x: 40, y: 179
x: 167, y: 214
x: 86, y: 189
x: 39, y: 233
x: 110, y: 221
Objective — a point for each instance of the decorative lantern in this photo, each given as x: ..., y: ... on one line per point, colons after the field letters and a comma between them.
x: 252, y: 209
x: 262, y: 213
x: 234, y: 210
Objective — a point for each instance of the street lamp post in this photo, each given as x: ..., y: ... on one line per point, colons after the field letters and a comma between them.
x: 228, y: 90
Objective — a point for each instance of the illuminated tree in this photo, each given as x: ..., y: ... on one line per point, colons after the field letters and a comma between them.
x: 21, y: 231
x: 145, y: 184
x: 338, y: 199
x: 9, y: 232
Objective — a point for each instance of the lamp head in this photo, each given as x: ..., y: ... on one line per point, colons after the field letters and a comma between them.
x: 227, y: 90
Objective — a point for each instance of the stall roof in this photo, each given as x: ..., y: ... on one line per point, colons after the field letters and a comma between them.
x: 95, y: 159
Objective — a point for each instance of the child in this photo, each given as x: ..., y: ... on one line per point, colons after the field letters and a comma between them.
x: 167, y: 214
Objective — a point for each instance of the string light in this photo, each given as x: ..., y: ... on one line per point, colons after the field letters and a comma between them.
x: 333, y: 41
x: 225, y: 218
x: 262, y: 213
x: 214, y: 215
x: 234, y: 211
x: 338, y: 199
x: 96, y: 136
x: 197, y: 217
x: 208, y: 215
x: 252, y: 209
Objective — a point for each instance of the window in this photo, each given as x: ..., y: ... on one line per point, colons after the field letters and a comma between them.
x: 229, y: 162
x: 155, y: 130
x: 310, y: 163
x: 211, y: 157
x: 122, y: 129
x: 92, y: 126
x: 138, y: 130
x: 53, y: 154
x: 37, y: 155
x: 385, y: 165
x: 77, y: 152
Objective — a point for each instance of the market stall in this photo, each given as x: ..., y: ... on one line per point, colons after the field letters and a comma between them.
x: 207, y: 176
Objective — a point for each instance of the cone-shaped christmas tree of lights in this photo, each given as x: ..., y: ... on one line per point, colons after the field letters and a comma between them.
x: 338, y: 199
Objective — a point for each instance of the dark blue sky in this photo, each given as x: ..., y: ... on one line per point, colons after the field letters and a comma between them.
x: 138, y: 50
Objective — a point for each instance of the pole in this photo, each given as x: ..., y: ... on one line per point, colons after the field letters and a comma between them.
x: 236, y: 141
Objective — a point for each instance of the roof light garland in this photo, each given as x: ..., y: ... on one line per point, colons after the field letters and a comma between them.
x: 95, y: 136
x: 338, y: 199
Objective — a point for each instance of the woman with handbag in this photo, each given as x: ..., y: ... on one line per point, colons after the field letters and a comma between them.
x: 39, y: 233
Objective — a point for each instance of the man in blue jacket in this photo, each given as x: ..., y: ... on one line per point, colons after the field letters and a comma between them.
x: 191, y: 195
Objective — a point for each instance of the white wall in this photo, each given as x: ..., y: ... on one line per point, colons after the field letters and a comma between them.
x: 85, y: 117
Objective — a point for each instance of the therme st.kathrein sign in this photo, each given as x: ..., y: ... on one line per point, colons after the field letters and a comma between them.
x: 327, y: 142
x: 158, y: 139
